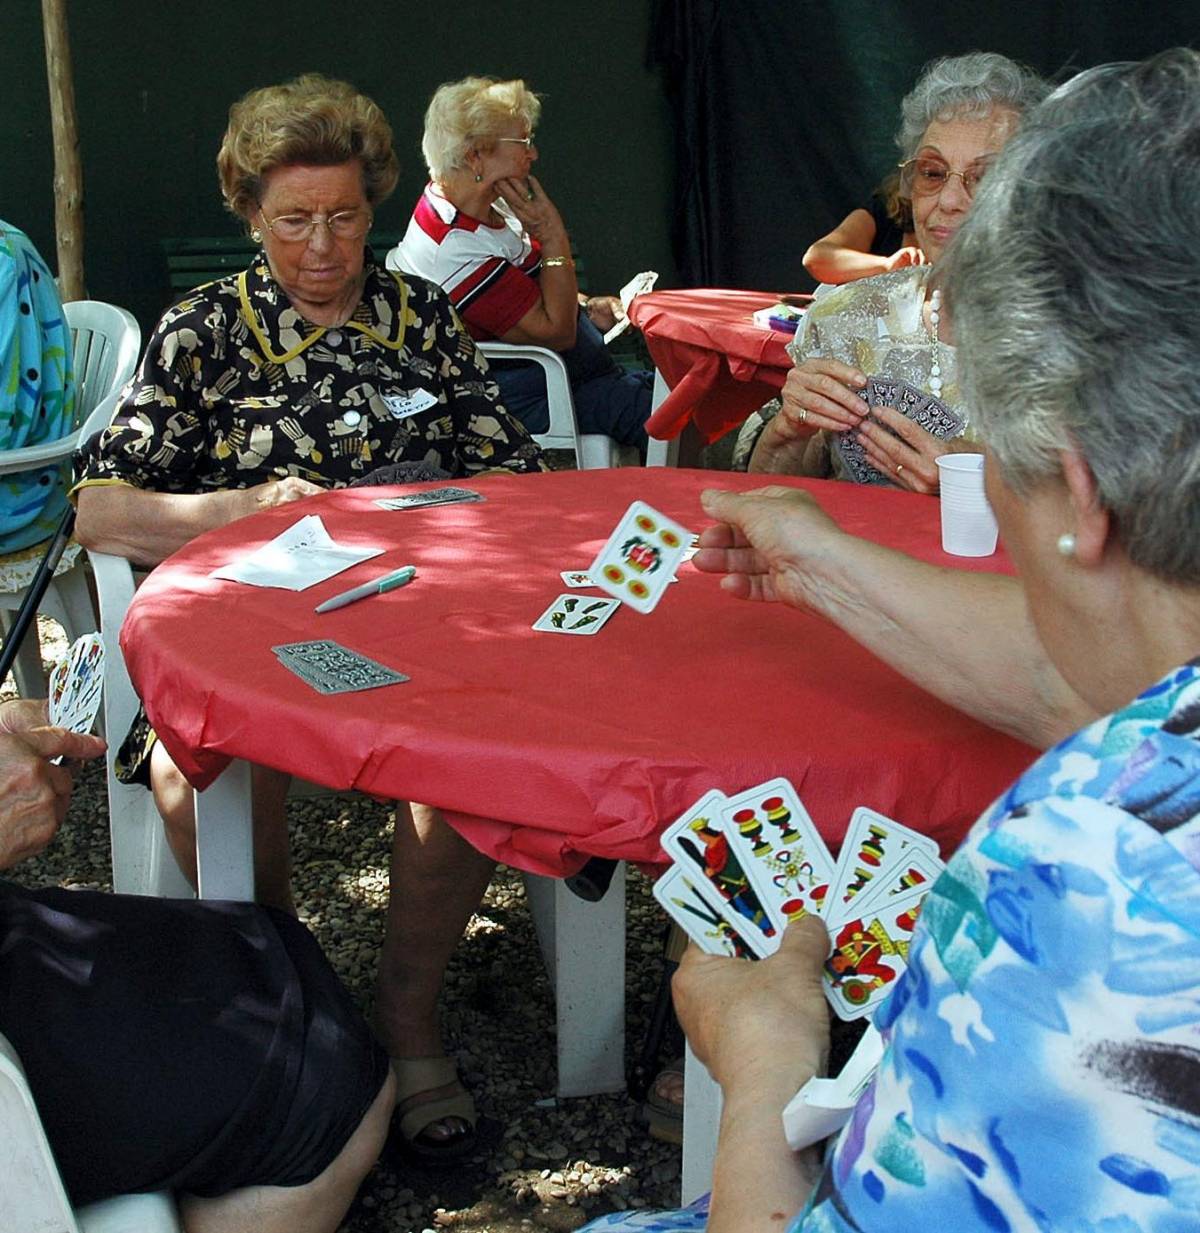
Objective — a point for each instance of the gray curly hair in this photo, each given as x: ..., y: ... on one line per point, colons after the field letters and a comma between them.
x: 1073, y: 286
x: 970, y: 86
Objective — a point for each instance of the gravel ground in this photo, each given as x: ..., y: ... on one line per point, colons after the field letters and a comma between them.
x: 545, y: 1164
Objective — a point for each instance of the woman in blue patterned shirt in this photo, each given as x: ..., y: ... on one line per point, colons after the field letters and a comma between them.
x: 1042, y: 1051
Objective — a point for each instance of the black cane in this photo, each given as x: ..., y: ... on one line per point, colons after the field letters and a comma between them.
x: 27, y: 612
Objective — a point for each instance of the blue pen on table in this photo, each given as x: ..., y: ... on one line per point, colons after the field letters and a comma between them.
x: 389, y: 582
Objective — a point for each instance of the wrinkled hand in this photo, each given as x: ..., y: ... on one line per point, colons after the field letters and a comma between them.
x: 904, y: 451
x: 532, y: 208
x: 272, y: 493
x: 903, y: 257
x: 758, y: 1022
x: 34, y: 794
x: 821, y: 393
x: 762, y: 541
x: 604, y: 311
x: 18, y: 715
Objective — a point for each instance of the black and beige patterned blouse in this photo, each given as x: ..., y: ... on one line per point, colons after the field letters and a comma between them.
x: 237, y: 388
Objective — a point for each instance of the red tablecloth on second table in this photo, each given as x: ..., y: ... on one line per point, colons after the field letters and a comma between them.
x: 719, y: 363
x: 546, y: 748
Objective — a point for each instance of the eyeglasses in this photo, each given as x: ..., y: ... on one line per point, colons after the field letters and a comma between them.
x: 344, y: 225
x: 521, y: 141
x: 926, y: 177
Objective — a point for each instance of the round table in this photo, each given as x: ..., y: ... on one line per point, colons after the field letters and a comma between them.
x: 541, y: 748
x: 719, y: 363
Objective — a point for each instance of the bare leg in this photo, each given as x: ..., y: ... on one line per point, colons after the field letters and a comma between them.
x: 317, y: 1207
x: 272, y: 851
x: 437, y: 880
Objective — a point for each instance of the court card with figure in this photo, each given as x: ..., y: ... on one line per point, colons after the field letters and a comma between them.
x: 332, y: 668
x: 696, y: 843
x: 641, y: 556
x: 576, y: 614
x: 868, y: 953
x: 77, y: 685
x: 776, y: 843
x: 676, y: 891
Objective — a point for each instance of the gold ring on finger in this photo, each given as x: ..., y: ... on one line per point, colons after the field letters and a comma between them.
x: 899, y: 468
x: 803, y: 414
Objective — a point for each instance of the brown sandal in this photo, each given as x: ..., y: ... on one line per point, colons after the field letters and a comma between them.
x: 428, y: 1091
x: 663, y: 1116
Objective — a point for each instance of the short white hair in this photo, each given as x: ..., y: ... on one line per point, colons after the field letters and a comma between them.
x: 466, y: 114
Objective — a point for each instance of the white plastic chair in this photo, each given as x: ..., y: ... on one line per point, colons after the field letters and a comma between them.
x: 32, y: 1198
x: 593, y: 451
x: 107, y: 341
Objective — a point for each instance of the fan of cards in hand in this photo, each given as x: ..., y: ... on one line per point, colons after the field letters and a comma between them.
x: 743, y: 866
x: 77, y: 684
x: 924, y: 410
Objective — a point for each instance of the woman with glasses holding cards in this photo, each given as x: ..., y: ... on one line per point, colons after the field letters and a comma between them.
x: 485, y: 230
x: 309, y: 370
x: 834, y: 419
x: 1041, y: 1064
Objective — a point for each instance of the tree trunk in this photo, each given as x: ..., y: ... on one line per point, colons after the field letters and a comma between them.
x: 68, y: 173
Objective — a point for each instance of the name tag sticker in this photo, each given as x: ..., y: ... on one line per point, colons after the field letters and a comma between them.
x: 401, y: 406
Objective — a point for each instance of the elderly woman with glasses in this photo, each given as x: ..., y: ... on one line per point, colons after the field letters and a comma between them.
x: 486, y: 231
x: 314, y: 368
x: 1041, y: 1054
x: 954, y: 123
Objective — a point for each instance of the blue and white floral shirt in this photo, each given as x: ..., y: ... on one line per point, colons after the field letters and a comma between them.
x: 1042, y: 1069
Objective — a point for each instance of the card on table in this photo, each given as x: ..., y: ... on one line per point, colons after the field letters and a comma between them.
x: 704, y: 924
x: 873, y: 843
x: 334, y: 669
x: 576, y: 578
x: 434, y: 496
x: 869, y: 952
x: 696, y: 843
x: 576, y: 614
x: 640, y: 557
x: 778, y: 846
x: 77, y: 685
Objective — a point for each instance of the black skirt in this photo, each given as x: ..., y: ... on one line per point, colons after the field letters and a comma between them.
x: 171, y: 1044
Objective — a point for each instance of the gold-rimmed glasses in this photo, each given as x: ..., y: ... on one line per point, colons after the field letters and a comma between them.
x: 342, y: 224
x: 926, y: 176
x: 521, y: 141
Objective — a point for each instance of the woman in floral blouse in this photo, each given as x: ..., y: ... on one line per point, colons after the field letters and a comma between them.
x: 310, y: 370
x: 1041, y: 1066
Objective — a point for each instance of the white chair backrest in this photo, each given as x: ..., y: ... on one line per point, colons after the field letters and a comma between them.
x: 592, y: 450
x: 107, y: 343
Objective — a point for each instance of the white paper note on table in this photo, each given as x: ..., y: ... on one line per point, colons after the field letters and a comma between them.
x: 297, y: 558
x: 822, y: 1106
x: 639, y: 284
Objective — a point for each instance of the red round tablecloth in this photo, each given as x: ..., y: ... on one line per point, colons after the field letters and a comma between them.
x: 719, y: 363
x: 546, y: 748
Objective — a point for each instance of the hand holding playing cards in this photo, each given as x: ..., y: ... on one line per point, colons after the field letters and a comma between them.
x: 817, y: 394
x: 754, y: 1024
x: 762, y: 542
x: 34, y: 793
x: 904, y: 451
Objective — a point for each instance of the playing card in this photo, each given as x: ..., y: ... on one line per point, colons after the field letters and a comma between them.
x: 576, y: 614
x: 928, y: 412
x: 684, y: 904
x: 872, y: 844
x: 77, y: 684
x: 777, y: 845
x: 576, y: 578
x: 695, y: 842
x: 914, y: 868
x: 869, y: 952
x: 334, y: 669
x: 434, y: 496
x: 640, y: 557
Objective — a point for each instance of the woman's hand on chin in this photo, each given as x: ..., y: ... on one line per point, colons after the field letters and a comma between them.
x: 532, y: 208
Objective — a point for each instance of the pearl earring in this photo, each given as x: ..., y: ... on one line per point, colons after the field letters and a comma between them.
x: 478, y: 178
x: 256, y: 235
x: 1066, y: 544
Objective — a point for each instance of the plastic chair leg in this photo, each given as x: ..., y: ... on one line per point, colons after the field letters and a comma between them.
x: 701, y: 1121
x: 27, y: 667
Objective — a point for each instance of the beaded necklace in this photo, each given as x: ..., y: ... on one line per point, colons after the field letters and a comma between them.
x: 935, y: 370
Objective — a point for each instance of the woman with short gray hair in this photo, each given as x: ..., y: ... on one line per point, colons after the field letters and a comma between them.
x: 869, y: 348
x: 1040, y: 1066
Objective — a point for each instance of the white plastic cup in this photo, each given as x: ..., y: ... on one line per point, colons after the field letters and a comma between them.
x: 968, y: 524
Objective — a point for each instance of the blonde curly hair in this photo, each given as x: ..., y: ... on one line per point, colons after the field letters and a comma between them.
x: 468, y: 114
x: 312, y: 120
